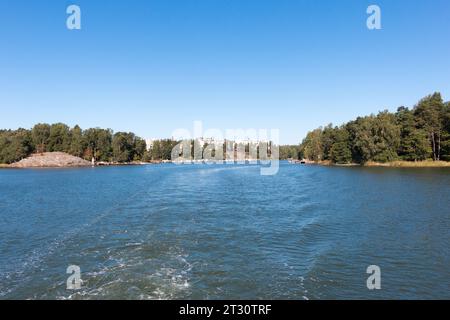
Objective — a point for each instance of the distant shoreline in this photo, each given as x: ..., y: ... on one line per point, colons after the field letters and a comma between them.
x: 64, y: 160
x: 9, y: 166
x: 392, y: 164
x: 410, y: 164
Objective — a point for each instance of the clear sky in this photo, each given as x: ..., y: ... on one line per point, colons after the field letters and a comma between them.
x: 157, y: 65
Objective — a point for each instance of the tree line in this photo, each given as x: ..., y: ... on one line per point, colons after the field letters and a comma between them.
x: 97, y: 143
x: 290, y: 152
x: 416, y: 134
x: 101, y: 144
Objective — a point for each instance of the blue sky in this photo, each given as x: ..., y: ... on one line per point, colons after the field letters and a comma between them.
x: 157, y: 65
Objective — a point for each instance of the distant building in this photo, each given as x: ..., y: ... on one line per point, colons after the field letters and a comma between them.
x: 202, y: 142
x: 149, y: 143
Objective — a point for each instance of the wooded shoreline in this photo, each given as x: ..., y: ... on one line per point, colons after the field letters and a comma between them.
x: 64, y: 160
x: 405, y: 138
x: 392, y: 164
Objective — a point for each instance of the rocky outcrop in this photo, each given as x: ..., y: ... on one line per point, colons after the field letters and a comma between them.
x: 51, y: 160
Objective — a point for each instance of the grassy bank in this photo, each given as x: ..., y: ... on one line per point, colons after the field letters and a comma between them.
x: 329, y: 163
x: 410, y: 164
x: 4, y: 165
x: 393, y: 164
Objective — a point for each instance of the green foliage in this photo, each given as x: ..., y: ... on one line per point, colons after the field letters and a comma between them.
x: 374, y: 138
x: 414, y: 144
x: 312, y: 147
x: 289, y: 152
x: 59, y: 138
x: 162, y: 149
x: 140, y: 149
x: 126, y: 147
x: 340, y: 149
x: 123, y: 146
x: 98, y: 144
x: 94, y: 142
x: 77, y: 143
x: 15, y: 145
x: 386, y: 137
x: 430, y: 116
x: 411, y: 135
x: 445, y: 155
x: 40, y: 135
x: 327, y: 140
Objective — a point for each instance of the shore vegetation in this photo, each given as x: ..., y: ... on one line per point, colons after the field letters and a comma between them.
x: 417, y: 137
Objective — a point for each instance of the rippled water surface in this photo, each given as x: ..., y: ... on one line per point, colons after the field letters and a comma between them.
x: 221, y: 232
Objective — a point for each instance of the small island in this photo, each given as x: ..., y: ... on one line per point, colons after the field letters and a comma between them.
x: 57, y: 145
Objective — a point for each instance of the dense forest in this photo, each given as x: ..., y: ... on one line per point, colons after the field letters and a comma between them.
x: 416, y: 134
x: 101, y: 144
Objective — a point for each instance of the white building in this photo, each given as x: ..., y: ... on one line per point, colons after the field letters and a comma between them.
x: 149, y: 143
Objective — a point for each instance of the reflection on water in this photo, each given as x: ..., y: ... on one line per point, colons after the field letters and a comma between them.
x: 221, y: 232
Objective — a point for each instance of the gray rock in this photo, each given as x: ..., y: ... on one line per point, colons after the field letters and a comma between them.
x: 51, y: 160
